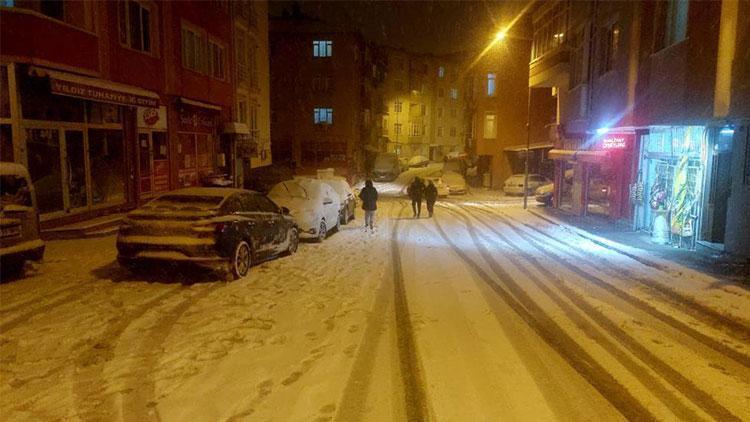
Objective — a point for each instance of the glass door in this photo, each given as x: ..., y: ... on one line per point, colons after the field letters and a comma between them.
x: 145, y: 164
x: 75, y: 162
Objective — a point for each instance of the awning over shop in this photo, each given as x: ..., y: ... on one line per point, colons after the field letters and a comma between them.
x: 522, y: 148
x: 201, y: 104
x: 576, y: 155
x: 71, y: 85
x: 236, y: 128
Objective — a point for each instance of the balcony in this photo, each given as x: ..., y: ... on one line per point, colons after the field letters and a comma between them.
x: 50, y: 40
x: 551, y: 69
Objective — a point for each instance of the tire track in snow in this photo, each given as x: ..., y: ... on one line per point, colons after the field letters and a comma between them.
x: 139, y: 402
x: 354, y: 398
x: 43, y: 298
x: 583, y: 363
x: 75, y: 294
x: 676, y: 300
x: 699, y: 397
x: 638, y: 303
x: 91, y: 399
x: 411, y: 375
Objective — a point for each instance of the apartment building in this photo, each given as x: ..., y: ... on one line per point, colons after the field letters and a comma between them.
x: 424, y: 105
x: 111, y: 103
x: 321, y: 104
x: 652, y: 114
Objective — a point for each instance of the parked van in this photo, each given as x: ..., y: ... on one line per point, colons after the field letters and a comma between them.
x: 19, y: 220
x: 386, y: 168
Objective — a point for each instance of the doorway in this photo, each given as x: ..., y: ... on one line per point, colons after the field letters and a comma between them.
x: 153, y: 163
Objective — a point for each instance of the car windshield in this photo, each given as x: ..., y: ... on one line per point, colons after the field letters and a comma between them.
x: 290, y: 189
x: 15, y: 190
x: 186, y: 201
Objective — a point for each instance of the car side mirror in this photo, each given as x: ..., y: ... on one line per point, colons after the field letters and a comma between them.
x: 284, y: 210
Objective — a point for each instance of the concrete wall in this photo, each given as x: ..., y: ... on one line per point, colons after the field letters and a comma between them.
x: 737, y: 237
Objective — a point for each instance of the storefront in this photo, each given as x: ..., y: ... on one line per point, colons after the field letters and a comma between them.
x: 71, y: 132
x: 595, y: 180
x: 153, y: 151
x: 196, y: 146
x: 683, y: 184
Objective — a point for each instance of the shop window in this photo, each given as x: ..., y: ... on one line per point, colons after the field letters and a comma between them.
x: 135, y: 25
x: 43, y: 150
x: 187, y: 151
x: 4, y: 93
x: 76, y: 166
x: 216, y: 56
x: 6, y: 143
x: 160, y: 145
x: 204, y: 148
x: 103, y: 113
x: 107, y: 166
x: 37, y: 103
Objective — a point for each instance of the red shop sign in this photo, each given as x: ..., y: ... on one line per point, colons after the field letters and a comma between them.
x: 192, y: 120
x: 615, y: 142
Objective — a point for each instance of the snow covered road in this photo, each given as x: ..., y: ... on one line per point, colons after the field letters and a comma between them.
x: 485, y: 312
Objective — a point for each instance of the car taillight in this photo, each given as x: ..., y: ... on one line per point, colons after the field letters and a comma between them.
x: 209, y: 229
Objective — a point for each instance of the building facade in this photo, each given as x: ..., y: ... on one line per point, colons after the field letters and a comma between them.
x: 111, y: 103
x: 319, y: 95
x: 652, y: 114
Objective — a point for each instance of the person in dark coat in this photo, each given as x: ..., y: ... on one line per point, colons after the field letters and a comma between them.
x: 430, y: 196
x: 416, y: 191
x: 369, y: 197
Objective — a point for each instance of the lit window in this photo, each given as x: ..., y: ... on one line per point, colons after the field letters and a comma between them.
x: 416, y: 129
x: 490, y: 126
x: 397, y: 107
x: 135, y: 25
x: 490, y: 84
x: 397, y: 128
x: 454, y: 93
x: 441, y: 72
x: 323, y: 116
x: 440, y: 131
x: 322, y: 48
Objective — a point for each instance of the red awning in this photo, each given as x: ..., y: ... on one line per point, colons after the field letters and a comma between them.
x: 577, y: 155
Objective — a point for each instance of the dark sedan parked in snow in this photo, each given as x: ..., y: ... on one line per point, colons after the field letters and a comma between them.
x: 219, y: 228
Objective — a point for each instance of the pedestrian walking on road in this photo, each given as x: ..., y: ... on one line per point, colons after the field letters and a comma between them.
x: 369, y: 197
x: 415, y: 191
x: 430, y: 196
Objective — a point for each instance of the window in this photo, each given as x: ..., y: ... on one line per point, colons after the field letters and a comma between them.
x: 240, y: 43
x: 577, y: 63
x: 135, y: 25
x: 397, y: 106
x: 322, y: 48
x: 490, y: 84
x: 453, y: 131
x: 609, y: 40
x: 670, y: 23
x: 323, y: 116
x: 440, y: 131
x: 242, y: 109
x: 397, y: 128
x: 490, y: 126
x: 416, y: 129
x: 252, y: 55
x: 193, y: 50
x: 321, y: 83
x: 441, y: 72
x: 454, y: 93
x: 253, y: 123
x: 440, y: 112
x: 216, y: 54
x: 549, y: 34
x: 77, y: 13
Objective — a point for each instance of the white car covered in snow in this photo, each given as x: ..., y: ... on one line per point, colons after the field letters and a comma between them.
x: 346, y: 196
x: 314, y: 205
x: 514, y: 184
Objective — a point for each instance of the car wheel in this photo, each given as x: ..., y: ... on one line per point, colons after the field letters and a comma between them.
x: 342, y: 216
x: 322, y: 231
x: 241, y: 260
x: 293, y: 241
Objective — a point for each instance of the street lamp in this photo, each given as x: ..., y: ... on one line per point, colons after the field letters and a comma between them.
x: 501, y: 36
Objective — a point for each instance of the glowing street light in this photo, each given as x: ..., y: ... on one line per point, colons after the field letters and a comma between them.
x: 501, y: 35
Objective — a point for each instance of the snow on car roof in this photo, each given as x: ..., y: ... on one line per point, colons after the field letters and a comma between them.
x: 7, y: 168
x: 220, y: 192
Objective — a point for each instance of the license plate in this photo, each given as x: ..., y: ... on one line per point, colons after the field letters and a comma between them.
x: 10, y: 231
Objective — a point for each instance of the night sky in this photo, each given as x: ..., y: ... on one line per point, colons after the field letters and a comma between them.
x: 422, y: 26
